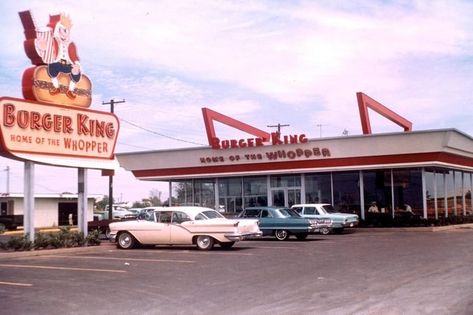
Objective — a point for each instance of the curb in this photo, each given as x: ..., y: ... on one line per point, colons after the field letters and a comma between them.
x: 44, y: 252
x: 418, y: 229
x: 42, y: 230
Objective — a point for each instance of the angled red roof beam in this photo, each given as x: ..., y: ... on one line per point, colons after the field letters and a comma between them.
x: 210, y: 116
x: 365, y: 102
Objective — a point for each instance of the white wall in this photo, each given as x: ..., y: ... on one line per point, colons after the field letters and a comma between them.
x: 46, y: 210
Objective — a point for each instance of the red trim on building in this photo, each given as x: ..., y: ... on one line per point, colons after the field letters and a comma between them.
x: 365, y: 102
x: 313, y: 164
x: 210, y: 116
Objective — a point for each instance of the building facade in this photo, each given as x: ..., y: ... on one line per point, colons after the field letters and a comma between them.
x: 428, y: 172
x: 51, y: 210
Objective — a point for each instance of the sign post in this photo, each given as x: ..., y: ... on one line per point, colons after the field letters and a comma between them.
x: 82, y: 201
x: 28, y: 215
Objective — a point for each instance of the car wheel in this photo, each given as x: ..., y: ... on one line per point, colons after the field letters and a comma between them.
x: 125, y: 240
x: 281, y: 235
x: 227, y: 245
x: 302, y: 236
x: 324, y: 231
x: 204, y: 242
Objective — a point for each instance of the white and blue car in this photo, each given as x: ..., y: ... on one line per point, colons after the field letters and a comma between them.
x: 317, y: 210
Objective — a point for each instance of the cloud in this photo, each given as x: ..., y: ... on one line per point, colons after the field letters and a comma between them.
x: 264, y: 62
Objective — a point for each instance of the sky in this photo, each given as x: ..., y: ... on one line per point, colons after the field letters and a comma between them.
x: 298, y: 63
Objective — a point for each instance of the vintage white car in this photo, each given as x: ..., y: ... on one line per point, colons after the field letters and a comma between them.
x: 340, y: 220
x: 200, y: 226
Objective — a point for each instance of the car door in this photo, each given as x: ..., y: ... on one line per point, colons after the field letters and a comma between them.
x: 157, y: 231
x: 179, y: 234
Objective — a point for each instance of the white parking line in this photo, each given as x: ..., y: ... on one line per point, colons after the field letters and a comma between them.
x: 194, y: 252
x: 277, y: 247
x: 16, y: 284
x: 123, y: 258
x: 61, y: 268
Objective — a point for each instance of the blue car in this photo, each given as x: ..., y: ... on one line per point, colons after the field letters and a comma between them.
x: 283, y: 222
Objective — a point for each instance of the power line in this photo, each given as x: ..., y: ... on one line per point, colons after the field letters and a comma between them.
x: 159, y: 134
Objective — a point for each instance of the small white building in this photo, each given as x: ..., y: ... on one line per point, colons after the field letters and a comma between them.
x: 50, y: 209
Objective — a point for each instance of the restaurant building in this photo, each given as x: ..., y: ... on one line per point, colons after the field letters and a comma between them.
x: 427, y: 171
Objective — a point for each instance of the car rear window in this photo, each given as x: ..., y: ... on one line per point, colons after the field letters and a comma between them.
x: 251, y: 213
x: 329, y: 208
x: 212, y: 214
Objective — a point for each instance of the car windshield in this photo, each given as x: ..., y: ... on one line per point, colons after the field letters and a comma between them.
x: 329, y: 209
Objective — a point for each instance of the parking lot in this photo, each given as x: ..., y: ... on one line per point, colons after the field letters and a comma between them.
x: 355, y: 273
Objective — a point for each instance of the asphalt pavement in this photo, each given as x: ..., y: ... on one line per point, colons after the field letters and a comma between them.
x: 365, y: 272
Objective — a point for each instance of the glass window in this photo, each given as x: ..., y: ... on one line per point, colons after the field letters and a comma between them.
x: 408, y: 191
x: 255, y: 191
x: 297, y: 209
x: 230, y: 194
x: 467, y: 193
x: 309, y: 210
x: 458, y: 196
x: 265, y: 214
x: 318, y: 188
x: 204, y: 193
x: 164, y: 216
x: 212, y: 214
x: 377, y: 190
x: 441, y: 198
x: 200, y: 216
x: 179, y: 217
x: 285, y: 181
x: 182, y: 193
x: 450, y: 185
x: 346, y: 192
x: 430, y: 182
x: 251, y: 213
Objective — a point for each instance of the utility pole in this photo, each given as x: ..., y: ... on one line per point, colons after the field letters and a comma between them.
x: 110, y: 178
x: 278, y: 126
x: 320, y: 129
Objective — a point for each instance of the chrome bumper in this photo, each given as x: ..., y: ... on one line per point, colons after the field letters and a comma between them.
x: 239, y: 237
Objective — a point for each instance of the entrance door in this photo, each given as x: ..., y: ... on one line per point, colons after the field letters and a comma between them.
x: 293, y: 196
x: 285, y: 197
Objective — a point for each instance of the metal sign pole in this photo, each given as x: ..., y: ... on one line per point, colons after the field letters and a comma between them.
x: 28, y: 200
x: 82, y: 201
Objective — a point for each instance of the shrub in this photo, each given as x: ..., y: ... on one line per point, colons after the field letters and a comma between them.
x: 64, y: 238
x: 41, y: 240
x: 93, y: 238
x: 19, y: 243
